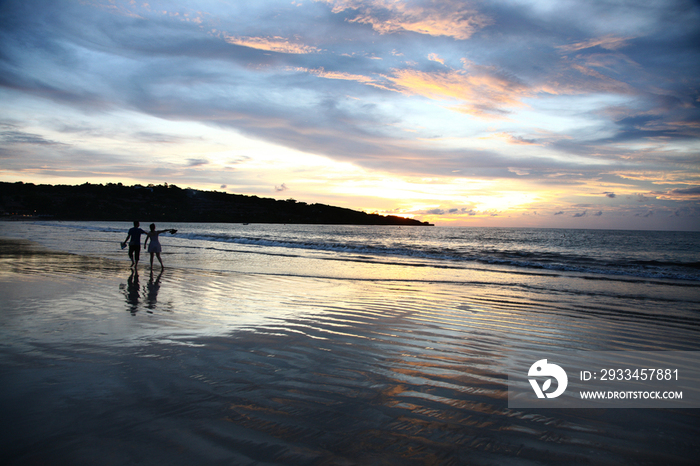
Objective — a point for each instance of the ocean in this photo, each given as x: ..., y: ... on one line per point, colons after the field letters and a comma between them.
x: 633, y: 254
x: 326, y: 344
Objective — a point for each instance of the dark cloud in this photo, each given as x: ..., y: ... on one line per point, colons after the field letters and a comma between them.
x: 435, y: 212
x: 20, y: 137
x: 694, y: 191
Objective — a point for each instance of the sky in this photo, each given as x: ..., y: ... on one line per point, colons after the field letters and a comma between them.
x: 504, y: 113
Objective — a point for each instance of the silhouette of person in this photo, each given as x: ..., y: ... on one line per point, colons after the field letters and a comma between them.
x: 134, y: 235
x: 152, y: 291
x: 154, y: 248
x: 132, y: 292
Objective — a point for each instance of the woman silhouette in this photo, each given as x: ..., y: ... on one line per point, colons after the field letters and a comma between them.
x: 154, y: 247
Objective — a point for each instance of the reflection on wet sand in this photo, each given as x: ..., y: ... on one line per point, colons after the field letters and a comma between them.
x: 152, y: 289
x: 134, y: 293
x: 132, y: 290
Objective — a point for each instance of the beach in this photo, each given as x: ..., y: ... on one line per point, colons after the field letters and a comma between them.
x: 272, y: 354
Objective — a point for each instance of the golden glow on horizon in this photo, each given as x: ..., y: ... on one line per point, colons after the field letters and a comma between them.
x: 206, y: 157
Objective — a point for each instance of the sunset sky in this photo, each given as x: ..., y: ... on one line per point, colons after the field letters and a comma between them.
x: 566, y: 113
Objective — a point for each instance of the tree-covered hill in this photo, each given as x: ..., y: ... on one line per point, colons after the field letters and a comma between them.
x: 170, y: 203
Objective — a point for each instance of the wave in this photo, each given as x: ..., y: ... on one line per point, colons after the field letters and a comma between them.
x: 440, y: 257
x: 87, y: 227
x: 594, y: 254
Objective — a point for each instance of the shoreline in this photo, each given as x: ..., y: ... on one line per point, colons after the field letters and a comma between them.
x: 617, y: 230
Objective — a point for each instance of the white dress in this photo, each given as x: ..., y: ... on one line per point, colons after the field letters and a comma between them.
x: 154, y: 245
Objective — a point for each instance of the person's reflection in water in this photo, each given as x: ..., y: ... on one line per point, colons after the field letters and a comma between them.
x: 153, y: 287
x: 132, y: 292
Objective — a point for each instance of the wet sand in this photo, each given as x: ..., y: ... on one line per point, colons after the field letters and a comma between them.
x: 98, y: 366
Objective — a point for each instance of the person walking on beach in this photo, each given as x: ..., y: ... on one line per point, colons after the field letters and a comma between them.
x: 154, y: 247
x: 135, y: 244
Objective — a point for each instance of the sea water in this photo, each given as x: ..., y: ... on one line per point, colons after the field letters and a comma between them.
x: 597, y: 253
x: 643, y: 274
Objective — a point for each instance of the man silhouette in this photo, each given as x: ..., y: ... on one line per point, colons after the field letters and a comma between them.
x: 135, y: 244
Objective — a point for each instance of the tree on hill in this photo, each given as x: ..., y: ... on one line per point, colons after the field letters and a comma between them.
x: 170, y: 203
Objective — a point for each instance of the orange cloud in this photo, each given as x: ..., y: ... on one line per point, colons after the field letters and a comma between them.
x: 271, y: 44
x: 435, y: 57
x: 444, y: 20
x: 604, y: 83
x: 681, y: 194
x: 343, y: 76
x: 482, y: 94
x: 608, y: 42
x: 322, y: 73
x: 660, y: 177
x: 510, y: 139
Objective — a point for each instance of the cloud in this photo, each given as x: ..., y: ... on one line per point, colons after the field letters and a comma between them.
x: 10, y: 136
x: 283, y: 187
x: 680, y: 194
x: 518, y: 171
x: 238, y: 160
x: 322, y: 73
x: 694, y: 191
x: 157, y: 138
x: 598, y: 214
x: 610, y: 195
x: 271, y: 44
x: 608, y: 42
x: 197, y: 162
x: 481, y: 93
x: 580, y: 214
x: 510, y: 139
x: 561, y: 212
x: 436, y: 58
x: 448, y: 18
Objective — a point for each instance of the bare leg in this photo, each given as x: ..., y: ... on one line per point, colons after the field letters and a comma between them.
x: 159, y: 260
x: 152, y: 260
x: 134, y: 255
